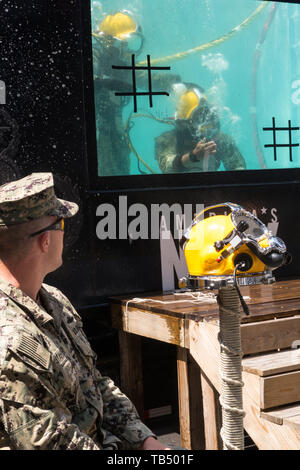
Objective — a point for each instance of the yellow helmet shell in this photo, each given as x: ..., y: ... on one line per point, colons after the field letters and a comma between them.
x: 201, y: 255
x: 188, y: 102
x: 120, y: 25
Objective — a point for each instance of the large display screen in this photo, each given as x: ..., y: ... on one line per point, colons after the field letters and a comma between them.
x: 196, y: 85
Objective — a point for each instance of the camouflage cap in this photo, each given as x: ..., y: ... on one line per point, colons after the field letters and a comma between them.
x: 31, y: 198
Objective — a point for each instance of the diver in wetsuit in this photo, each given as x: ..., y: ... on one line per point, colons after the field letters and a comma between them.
x: 196, y: 144
x: 116, y: 39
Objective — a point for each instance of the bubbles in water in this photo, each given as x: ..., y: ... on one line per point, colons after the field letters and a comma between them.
x: 96, y: 5
x: 215, y: 62
x: 217, y: 92
x: 96, y: 9
x: 232, y: 118
x: 230, y: 121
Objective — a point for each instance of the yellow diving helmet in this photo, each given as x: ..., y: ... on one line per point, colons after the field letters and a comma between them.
x: 193, y: 109
x: 188, y: 100
x: 119, y: 26
x: 121, y: 29
x: 221, y: 246
x: 187, y: 104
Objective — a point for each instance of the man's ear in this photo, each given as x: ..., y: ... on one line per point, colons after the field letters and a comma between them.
x: 44, y: 241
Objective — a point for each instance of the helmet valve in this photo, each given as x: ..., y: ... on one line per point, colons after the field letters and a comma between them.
x: 234, y: 239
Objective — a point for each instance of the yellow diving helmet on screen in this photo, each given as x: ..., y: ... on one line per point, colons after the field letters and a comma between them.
x: 121, y: 29
x: 238, y: 244
x: 120, y: 25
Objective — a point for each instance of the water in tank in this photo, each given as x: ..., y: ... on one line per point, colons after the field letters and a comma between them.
x: 195, y: 86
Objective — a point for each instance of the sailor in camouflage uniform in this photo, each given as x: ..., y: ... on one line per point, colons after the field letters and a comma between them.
x: 51, y: 394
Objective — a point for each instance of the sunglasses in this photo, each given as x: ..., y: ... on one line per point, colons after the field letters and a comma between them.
x: 58, y: 225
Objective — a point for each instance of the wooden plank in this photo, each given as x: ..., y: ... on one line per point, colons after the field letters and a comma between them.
x: 294, y: 422
x: 269, y: 335
x: 197, y: 422
x: 265, y: 302
x: 266, y: 311
x: 212, y: 415
x: 261, y: 293
x: 132, y: 377
x: 160, y: 327
x: 252, y: 390
x: 273, y: 363
x: 278, y: 390
x: 183, y: 398
x: 258, y: 312
x: 281, y: 290
x: 283, y: 413
x: 177, y: 306
x: 205, y: 349
x: 190, y: 402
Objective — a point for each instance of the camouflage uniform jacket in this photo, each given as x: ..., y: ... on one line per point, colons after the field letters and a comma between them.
x: 169, y: 145
x: 51, y: 394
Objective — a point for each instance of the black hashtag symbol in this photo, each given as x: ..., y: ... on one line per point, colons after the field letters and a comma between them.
x: 134, y: 93
x: 275, y: 145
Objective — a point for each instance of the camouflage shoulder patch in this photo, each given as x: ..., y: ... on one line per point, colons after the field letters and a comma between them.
x: 33, y: 349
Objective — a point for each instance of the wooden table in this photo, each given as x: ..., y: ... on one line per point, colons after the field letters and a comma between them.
x: 173, y: 318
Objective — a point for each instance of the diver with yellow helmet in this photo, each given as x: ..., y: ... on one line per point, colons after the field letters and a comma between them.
x: 115, y: 39
x: 196, y: 143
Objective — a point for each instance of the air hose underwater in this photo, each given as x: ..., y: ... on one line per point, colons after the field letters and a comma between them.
x: 128, y: 126
x: 208, y: 45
